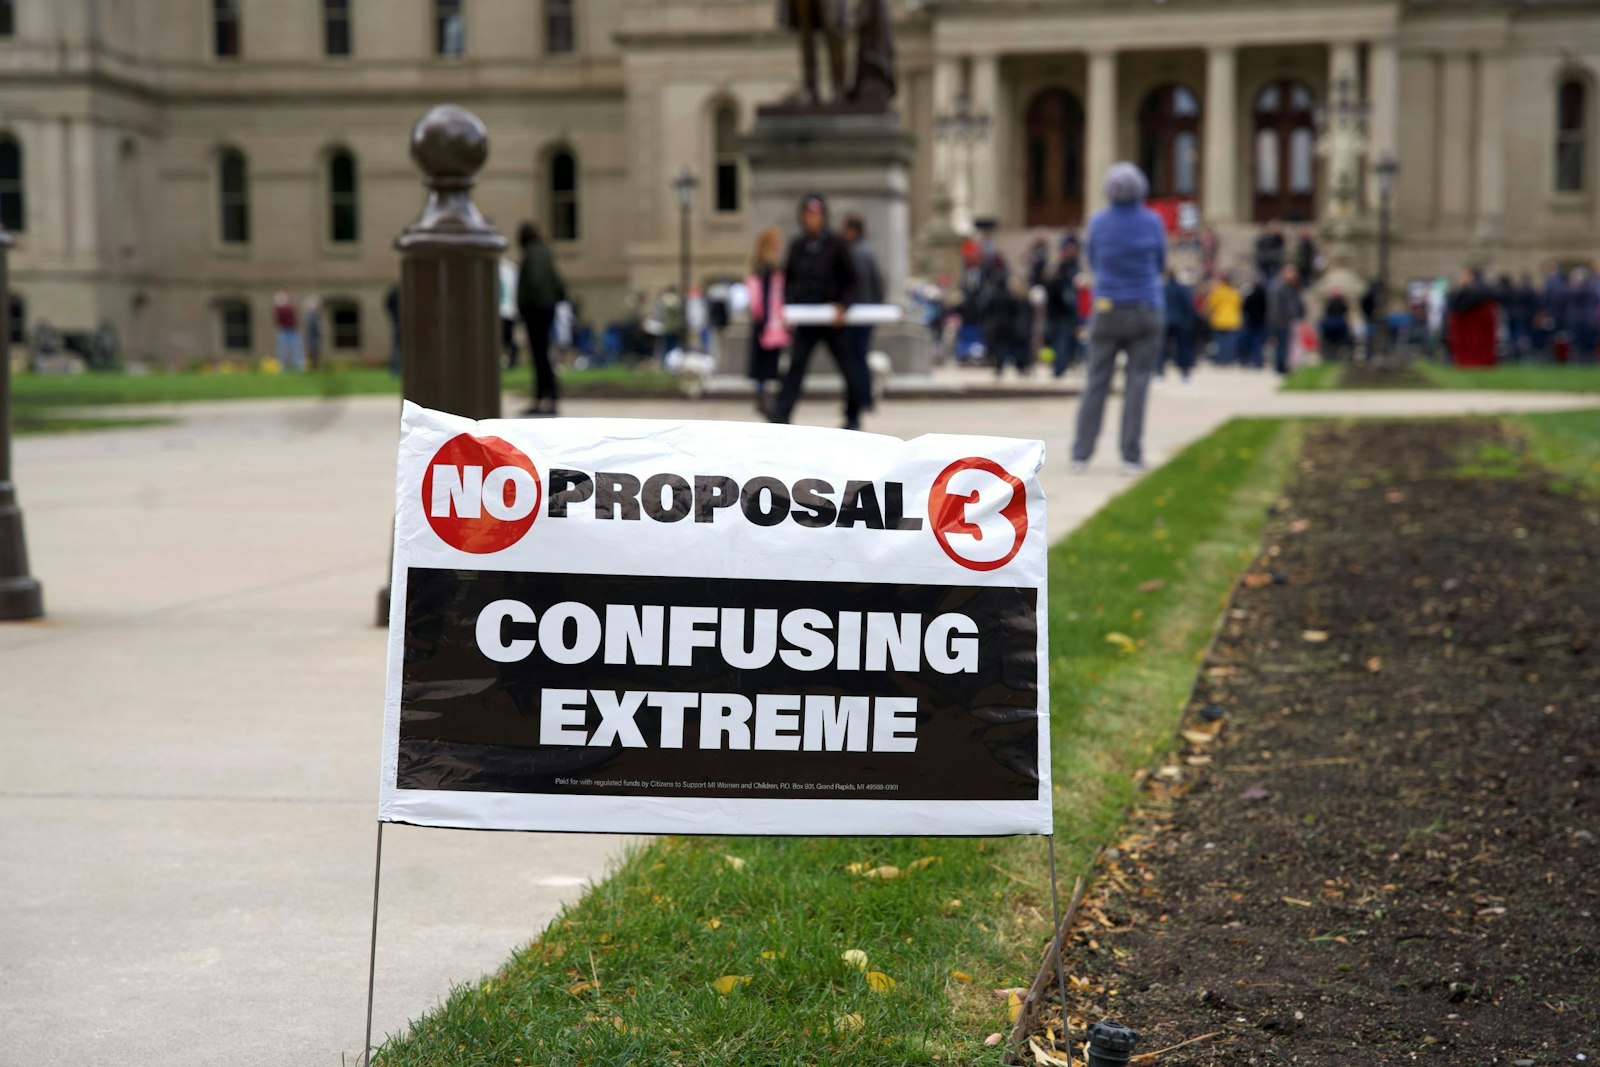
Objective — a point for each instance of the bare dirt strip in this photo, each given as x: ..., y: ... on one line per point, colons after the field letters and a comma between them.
x: 1380, y: 841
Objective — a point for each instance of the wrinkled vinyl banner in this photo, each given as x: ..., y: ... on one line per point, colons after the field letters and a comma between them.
x: 715, y: 628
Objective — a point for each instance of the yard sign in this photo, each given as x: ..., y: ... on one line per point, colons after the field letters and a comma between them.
x: 715, y: 628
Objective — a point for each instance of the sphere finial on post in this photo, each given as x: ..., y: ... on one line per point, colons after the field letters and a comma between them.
x: 450, y: 145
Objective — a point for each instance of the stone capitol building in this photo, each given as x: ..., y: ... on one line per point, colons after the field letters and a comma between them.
x: 167, y: 165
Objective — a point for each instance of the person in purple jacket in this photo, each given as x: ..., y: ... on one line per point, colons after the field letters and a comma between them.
x: 1127, y: 252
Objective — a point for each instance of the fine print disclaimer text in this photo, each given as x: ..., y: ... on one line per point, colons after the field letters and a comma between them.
x: 785, y: 787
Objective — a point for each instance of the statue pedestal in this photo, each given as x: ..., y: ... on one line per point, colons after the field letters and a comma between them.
x: 860, y: 161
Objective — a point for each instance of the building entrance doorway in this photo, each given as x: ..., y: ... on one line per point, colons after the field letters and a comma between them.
x: 1054, y: 163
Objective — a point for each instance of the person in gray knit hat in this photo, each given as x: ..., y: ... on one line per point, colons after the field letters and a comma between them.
x: 1127, y: 253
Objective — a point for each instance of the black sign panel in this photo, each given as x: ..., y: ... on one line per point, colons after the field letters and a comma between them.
x: 866, y: 691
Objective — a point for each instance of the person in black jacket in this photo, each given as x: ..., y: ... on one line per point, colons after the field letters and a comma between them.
x: 1061, y: 306
x: 1253, y: 339
x: 819, y: 270
x: 1011, y: 327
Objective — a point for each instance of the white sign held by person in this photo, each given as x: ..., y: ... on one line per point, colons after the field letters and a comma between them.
x: 715, y: 628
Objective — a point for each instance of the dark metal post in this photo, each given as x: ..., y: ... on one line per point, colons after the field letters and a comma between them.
x: 449, y: 279
x: 683, y: 185
x: 1111, y: 1044
x: 21, y: 597
x: 1387, y: 168
x: 449, y: 275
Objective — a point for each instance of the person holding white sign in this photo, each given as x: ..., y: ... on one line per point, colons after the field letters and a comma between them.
x: 819, y: 270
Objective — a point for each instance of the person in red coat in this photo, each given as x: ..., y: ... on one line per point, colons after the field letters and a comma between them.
x: 1473, y: 322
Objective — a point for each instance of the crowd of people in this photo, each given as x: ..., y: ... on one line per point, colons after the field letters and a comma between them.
x: 1479, y: 321
x: 1041, y: 313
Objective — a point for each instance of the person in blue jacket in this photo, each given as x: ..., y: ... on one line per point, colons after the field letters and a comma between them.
x: 1127, y: 251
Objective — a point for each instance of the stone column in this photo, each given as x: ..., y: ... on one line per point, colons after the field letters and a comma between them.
x: 1455, y: 168
x: 948, y: 156
x: 1491, y: 190
x: 1383, y: 94
x: 1221, y: 189
x: 1101, y: 136
x: 985, y: 159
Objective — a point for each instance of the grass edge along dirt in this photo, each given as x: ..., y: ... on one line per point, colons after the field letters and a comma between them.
x: 1510, y: 377
x: 734, y: 950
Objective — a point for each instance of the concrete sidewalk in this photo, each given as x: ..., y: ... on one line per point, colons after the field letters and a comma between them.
x: 188, y: 775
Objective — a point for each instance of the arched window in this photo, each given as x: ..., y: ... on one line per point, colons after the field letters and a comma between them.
x: 233, y: 196
x: 560, y: 27
x: 449, y: 28
x: 344, y: 321
x: 336, y: 37
x: 725, y: 156
x: 563, y: 196
x: 1572, y: 141
x: 13, y: 207
x: 225, y: 37
x: 1285, y: 152
x: 17, y: 321
x: 344, y: 214
x: 233, y: 321
x: 1054, y: 164
x: 1169, y: 141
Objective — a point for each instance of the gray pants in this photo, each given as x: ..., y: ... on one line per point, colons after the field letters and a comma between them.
x: 1137, y: 330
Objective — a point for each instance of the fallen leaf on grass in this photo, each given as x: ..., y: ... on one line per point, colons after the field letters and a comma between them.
x: 579, y: 988
x: 729, y: 982
x: 1152, y: 585
x: 883, y: 874
x: 1257, y: 579
x: 1300, y: 526
x: 713, y: 924
x: 926, y: 861
x: 1297, y: 902
x: 961, y: 976
x: 1013, y: 1006
x: 1374, y: 665
x: 1047, y: 1059
x: 1121, y: 640
x: 768, y: 954
x: 856, y: 868
x: 1197, y: 737
x: 879, y: 982
x: 733, y: 861
x: 855, y: 958
x: 992, y: 1040
x: 850, y: 1021
x: 1316, y: 637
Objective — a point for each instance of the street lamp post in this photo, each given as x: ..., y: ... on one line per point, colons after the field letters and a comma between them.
x: 962, y: 128
x: 684, y: 185
x: 1386, y: 169
x: 20, y: 595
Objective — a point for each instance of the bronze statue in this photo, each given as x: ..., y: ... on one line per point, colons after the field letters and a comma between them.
x: 830, y: 18
x: 875, y: 81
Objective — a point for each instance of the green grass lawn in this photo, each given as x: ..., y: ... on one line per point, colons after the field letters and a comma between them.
x: 1552, y: 378
x: 1567, y: 442
x: 728, y: 950
x: 1313, y: 377
x: 37, y: 390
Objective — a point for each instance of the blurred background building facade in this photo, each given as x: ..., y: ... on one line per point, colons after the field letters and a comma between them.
x: 166, y: 165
